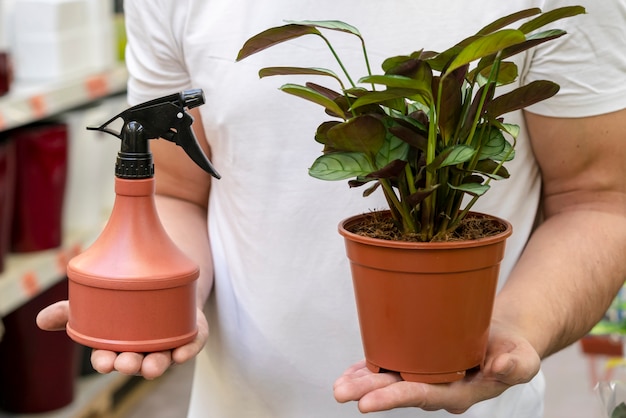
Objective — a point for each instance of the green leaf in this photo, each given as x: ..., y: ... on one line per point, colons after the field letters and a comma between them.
x: 508, y: 74
x: 272, y: 71
x: 522, y: 97
x: 340, y: 166
x: 492, y: 169
x: 365, y: 134
x: 412, y: 137
x: 507, y: 20
x: 457, y: 154
x: 493, y: 146
x: 328, y: 24
x: 486, y: 45
x: 274, y: 36
x: 531, y: 42
x: 381, y: 97
x: 551, y: 16
x: 619, y: 411
x: 475, y: 189
x: 451, y: 107
x: 321, y: 134
x: 398, y: 81
x: 507, y: 154
x: 392, y: 149
x: 313, y: 96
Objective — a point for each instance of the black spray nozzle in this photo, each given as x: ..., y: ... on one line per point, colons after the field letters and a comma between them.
x: 165, y: 118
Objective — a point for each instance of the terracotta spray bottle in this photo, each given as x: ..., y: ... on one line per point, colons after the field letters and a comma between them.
x: 133, y: 289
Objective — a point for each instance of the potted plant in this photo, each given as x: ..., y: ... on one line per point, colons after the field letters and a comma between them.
x: 429, y: 133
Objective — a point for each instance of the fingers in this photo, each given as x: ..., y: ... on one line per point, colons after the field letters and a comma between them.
x: 189, y: 351
x: 103, y: 361
x: 155, y: 364
x: 151, y: 365
x: 506, y: 365
x: 54, y: 317
x: 357, y: 381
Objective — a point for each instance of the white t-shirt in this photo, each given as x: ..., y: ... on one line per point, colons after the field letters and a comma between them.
x: 282, y: 314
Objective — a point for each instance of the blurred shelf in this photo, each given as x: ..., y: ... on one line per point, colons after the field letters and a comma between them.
x: 98, y: 396
x: 27, y: 103
x: 28, y: 274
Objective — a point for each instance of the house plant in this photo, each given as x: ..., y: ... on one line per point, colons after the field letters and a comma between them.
x: 429, y: 132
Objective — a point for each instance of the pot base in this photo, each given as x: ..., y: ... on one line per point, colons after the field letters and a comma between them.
x: 146, y: 346
x: 421, y: 377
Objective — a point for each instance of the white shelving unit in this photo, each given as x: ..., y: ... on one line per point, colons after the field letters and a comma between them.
x: 26, y: 275
x: 28, y: 103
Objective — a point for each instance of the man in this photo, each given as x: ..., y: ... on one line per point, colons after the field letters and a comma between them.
x: 283, y: 324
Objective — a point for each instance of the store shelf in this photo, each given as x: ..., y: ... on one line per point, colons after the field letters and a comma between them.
x: 28, y: 274
x: 98, y: 396
x: 27, y: 103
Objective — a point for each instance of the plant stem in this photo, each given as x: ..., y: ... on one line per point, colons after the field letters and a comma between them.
x: 332, y: 50
x: 407, y: 220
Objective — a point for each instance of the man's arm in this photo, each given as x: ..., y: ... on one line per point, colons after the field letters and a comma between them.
x: 564, y: 282
x: 575, y: 262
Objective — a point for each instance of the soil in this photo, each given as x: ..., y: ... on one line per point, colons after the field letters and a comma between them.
x: 383, y: 227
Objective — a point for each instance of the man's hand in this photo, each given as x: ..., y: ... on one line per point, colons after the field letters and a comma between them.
x: 510, y: 360
x: 150, y: 366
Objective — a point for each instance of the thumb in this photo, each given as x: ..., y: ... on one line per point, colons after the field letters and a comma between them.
x: 54, y: 317
x: 516, y: 367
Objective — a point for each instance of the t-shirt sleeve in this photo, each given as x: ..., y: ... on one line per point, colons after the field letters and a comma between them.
x: 154, y: 59
x: 589, y: 62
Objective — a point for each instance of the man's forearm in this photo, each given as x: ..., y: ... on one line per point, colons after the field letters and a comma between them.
x: 186, y: 224
x: 566, y: 278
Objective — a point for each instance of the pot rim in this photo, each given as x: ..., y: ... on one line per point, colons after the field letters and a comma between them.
x: 342, y: 228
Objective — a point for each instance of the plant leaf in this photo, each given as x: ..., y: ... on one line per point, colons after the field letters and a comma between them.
x: 272, y: 71
x: 475, y: 189
x: 508, y: 73
x: 274, y: 36
x: 451, y: 107
x: 551, y: 16
x: 380, y: 97
x: 313, y: 96
x: 324, y: 91
x: 507, y: 154
x: 486, y: 45
x: 452, y: 156
x: 321, y: 134
x: 410, y: 136
x: 389, y: 171
x: 328, y: 24
x: 364, y: 134
x: 392, y: 149
x: 522, y: 97
x: 493, y: 146
x: 397, y: 81
x: 507, y: 20
x: 340, y: 166
x: 490, y: 168
x: 531, y: 41
x: 420, y: 195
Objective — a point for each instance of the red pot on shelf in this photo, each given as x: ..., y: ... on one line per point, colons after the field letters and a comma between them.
x: 38, y: 368
x: 41, y: 164
x: 5, y: 73
x: 7, y: 190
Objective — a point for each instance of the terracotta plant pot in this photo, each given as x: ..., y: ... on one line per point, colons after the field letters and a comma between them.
x: 424, y: 308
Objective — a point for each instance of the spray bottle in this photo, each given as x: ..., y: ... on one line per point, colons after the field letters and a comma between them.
x: 133, y: 289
